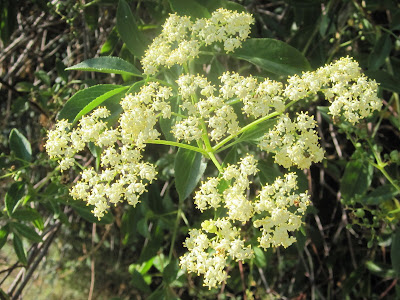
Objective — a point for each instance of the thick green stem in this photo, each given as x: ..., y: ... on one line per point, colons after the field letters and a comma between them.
x: 176, y: 144
x: 249, y: 126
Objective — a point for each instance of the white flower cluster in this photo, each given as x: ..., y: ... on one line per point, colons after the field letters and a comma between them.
x: 140, y: 113
x: 257, y: 98
x: 123, y: 174
x: 208, y: 256
x: 351, y: 93
x: 234, y: 197
x: 283, y: 210
x: 209, y: 113
x: 206, y: 103
x: 202, y: 106
x: 181, y: 39
x: 277, y: 210
x: 63, y: 144
x: 294, y: 143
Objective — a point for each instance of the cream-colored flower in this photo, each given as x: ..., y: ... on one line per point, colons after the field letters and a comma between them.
x: 295, y: 143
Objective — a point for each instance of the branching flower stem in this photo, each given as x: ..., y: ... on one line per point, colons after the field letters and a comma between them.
x: 247, y: 127
x: 380, y: 165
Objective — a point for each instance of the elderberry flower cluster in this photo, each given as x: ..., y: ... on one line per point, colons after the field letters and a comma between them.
x: 282, y: 210
x: 277, y: 211
x: 351, y: 94
x: 124, y: 176
x: 181, y: 39
x: 209, y: 256
x: 211, y: 106
x: 214, y: 117
x: 295, y: 143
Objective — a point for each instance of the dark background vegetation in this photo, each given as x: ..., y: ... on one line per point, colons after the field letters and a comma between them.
x: 348, y: 249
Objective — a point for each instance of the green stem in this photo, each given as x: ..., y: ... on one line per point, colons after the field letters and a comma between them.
x: 249, y: 126
x: 177, y: 221
x: 176, y: 144
x: 380, y: 165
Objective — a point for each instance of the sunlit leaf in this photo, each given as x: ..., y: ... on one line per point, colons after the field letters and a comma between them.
x: 129, y: 31
x: 189, y: 167
x: 85, y: 100
x: 107, y: 64
x: 20, y: 145
x: 273, y: 56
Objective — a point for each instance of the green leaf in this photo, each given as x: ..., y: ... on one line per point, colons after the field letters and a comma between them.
x: 24, y: 86
x: 154, y: 245
x: 20, y: 145
x: 43, y: 77
x: 91, y: 14
x: 273, y: 56
x: 395, y: 251
x: 381, y: 50
x: 26, y: 214
x: 234, y: 6
x: 385, y: 80
x: 85, y: 100
x: 143, y: 228
x: 13, y: 196
x: 110, y: 44
x: 170, y: 272
x: 19, y: 249
x: 167, y: 124
x: 189, y: 8
x: 259, y: 257
x: 269, y: 171
x: 157, y: 295
x: 379, y: 269
x: 189, y: 167
x: 61, y: 72
x: 27, y: 232
x: 8, y: 19
x: 231, y: 157
x: 86, y: 213
x: 134, y: 88
x: 139, y: 282
x: 129, y: 225
x: 107, y: 64
x: 380, y: 195
x: 145, y: 267
x: 129, y: 31
x: 4, y: 231
x: 356, y: 179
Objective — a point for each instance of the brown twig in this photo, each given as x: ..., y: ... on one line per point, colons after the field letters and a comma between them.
x: 242, y: 278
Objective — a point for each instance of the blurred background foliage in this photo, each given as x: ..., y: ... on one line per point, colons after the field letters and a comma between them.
x: 53, y: 248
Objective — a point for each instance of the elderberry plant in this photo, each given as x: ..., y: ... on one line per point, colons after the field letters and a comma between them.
x: 210, y: 119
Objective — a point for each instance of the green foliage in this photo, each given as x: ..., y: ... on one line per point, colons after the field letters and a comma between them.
x: 20, y: 145
x: 189, y: 167
x: 273, y: 56
x: 86, y: 100
x: 107, y: 64
x: 129, y: 31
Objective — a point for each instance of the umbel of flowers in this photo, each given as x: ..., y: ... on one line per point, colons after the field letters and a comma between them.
x: 207, y: 117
